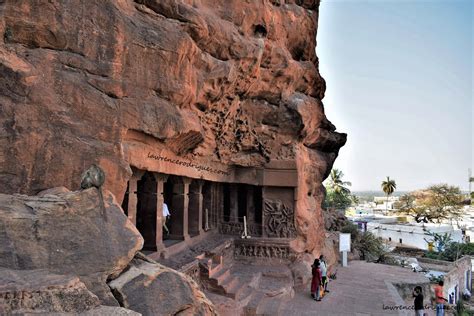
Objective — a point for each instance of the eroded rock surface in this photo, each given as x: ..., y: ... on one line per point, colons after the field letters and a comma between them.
x: 39, y: 291
x: 225, y: 81
x: 67, y: 233
x: 153, y: 289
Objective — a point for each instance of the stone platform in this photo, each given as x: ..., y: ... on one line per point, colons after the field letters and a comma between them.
x: 239, y: 286
x: 360, y: 289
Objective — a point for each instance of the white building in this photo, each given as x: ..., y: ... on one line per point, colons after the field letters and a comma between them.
x: 382, y: 204
x: 412, y: 234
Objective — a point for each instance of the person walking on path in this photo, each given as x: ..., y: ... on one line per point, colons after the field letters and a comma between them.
x: 440, y: 300
x: 324, y: 273
x: 316, y: 281
x: 418, y: 295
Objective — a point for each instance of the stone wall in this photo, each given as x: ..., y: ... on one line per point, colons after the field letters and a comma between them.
x: 218, y: 83
x: 457, y: 276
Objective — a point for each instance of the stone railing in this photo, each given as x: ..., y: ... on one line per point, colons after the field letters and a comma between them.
x: 263, y: 248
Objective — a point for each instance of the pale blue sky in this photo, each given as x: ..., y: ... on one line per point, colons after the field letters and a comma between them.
x: 399, y: 82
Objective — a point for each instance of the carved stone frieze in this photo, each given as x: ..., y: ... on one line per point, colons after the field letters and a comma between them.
x: 279, y: 219
x: 266, y: 250
x: 237, y: 228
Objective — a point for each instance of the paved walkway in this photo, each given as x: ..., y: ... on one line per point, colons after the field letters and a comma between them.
x: 360, y: 289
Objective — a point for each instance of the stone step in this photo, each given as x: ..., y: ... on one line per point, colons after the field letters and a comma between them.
x: 251, y: 308
x: 269, y: 306
x: 244, y: 293
x: 220, y: 274
x: 235, y: 286
x: 228, y: 281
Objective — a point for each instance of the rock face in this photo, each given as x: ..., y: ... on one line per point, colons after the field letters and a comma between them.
x: 42, y: 292
x: 152, y: 289
x: 67, y: 233
x: 229, y: 81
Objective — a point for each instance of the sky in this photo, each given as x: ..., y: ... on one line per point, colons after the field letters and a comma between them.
x: 399, y: 83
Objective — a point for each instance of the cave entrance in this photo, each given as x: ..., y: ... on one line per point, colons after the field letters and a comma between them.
x: 241, y: 200
x: 146, y: 210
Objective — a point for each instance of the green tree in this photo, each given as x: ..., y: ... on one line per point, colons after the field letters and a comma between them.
x: 354, y: 199
x: 336, y: 182
x: 404, y: 202
x: 337, y: 200
x: 338, y: 194
x: 441, y: 240
x: 388, y: 187
x: 434, y: 204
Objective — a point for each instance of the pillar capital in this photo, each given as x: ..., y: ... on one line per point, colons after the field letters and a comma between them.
x: 137, y: 174
x: 160, y: 177
x: 187, y: 181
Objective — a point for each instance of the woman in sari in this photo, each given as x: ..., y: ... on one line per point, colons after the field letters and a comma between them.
x: 316, y: 281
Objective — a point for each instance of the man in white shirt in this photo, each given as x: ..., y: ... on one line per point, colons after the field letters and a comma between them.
x: 166, y: 214
x: 324, y: 273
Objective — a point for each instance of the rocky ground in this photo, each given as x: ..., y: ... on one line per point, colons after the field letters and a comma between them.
x: 71, y: 252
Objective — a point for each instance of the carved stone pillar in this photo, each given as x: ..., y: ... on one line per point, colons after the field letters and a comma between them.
x: 160, y: 181
x: 234, y: 203
x: 132, y: 197
x: 250, y: 205
x: 264, y: 231
x: 180, y: 219
x: 195, y: 209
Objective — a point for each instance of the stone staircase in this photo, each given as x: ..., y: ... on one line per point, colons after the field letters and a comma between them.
x: 253, y: 290
x: 232, y: 285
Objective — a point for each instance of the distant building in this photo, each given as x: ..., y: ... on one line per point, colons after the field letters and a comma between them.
x: 362, y: 220
x: 412, y: 234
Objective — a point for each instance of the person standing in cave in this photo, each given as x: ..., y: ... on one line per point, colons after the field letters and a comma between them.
x: 166, y: 215
x: 316, y: 281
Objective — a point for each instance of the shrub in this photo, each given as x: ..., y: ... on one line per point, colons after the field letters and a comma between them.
x: 371, y: 247
x: 452, y: 251
x: 352, y: 229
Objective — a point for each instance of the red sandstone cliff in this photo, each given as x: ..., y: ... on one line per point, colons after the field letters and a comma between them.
x: 228, y: 81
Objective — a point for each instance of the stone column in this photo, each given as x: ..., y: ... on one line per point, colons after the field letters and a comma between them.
x: 160, y: 181
x: 220, y: 203
x: 132, y: 198
x: 186, y: 182
x: 179, y: 222
x: 264, y: 233
x: 234, y: 203
x: 195, y: 208
x: 250, y: 205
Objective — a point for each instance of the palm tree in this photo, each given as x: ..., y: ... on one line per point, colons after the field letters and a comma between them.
x: 388, y: 186
x: 336, y: 183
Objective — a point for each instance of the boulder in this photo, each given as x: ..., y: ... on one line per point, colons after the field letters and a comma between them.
x: 71, y: 233
x: 39, y: 291
x: 301, y: 271
x: 153, y: 289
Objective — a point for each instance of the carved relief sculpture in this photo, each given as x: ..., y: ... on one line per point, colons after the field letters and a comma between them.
x: 279, y: 219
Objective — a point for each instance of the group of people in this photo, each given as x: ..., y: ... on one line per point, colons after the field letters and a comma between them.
x: 439, y: 299
x: 319, y: 283
x: 319, y: 286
